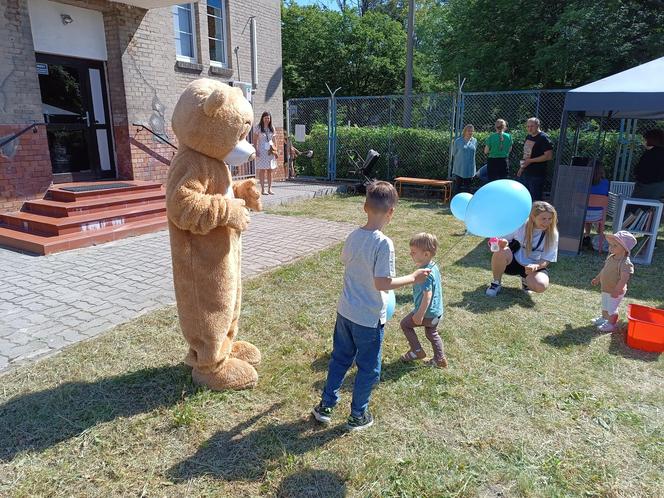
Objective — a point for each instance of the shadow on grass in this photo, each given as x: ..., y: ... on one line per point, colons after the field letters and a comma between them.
x: 619, y: 347
x: 578, y: 271
x: 581, y: 336
x: 245, y: 453
x: 39, y: 420
x: 390, y: 372
x: 572, y: 336
x: 310, y: 483
x: 403, y: 298
x: 477, y: 301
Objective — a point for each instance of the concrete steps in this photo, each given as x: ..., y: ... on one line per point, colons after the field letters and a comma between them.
x: 66, y: 220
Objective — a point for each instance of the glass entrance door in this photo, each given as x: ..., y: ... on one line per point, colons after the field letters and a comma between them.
x: 76, y: 114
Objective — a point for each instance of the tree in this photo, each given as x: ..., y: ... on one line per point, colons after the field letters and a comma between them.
x: 547, y: 44
x: 365, y: 55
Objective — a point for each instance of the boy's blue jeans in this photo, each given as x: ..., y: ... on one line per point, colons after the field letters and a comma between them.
x: 365, y: 346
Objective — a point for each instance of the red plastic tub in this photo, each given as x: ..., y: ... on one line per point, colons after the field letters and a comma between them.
x: 645, y: 329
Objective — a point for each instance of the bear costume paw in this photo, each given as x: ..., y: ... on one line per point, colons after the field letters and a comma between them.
x: 234, y: 374
x: 245, y: 351
x: 247, y: 191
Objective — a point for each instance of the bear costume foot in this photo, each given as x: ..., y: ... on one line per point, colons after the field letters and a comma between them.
x: 233, y: 374
x: 243, y: 350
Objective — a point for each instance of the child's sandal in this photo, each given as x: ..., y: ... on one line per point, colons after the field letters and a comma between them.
x: 413, y: 355
x: 438, y: 364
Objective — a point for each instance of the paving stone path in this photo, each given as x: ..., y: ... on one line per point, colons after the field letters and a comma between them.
x: 50, y: 302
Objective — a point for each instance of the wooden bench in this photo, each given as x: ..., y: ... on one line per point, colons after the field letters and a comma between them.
x: 444, y: 185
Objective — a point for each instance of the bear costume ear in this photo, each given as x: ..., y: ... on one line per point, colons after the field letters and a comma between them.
x: 214, y: 102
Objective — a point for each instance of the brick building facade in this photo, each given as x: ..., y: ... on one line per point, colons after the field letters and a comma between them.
x: 127, y: 61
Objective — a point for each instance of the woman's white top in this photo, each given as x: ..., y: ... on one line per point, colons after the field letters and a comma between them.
x: 539, y: 253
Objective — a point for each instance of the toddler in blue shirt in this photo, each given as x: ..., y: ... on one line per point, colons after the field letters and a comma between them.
x: 428, y: 300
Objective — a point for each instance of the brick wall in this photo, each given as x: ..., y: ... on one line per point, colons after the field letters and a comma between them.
x: 144, y: 83
x: 153, y: 80
x: 25, y: 166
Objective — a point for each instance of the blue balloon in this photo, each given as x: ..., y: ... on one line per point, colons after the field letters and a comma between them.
x: 459, y: 204
x: 391, y: 304
x: 483, y: 172
x: 498, y: 208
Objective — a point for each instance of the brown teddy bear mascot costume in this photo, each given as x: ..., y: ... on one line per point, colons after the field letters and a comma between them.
x: 207, y: 213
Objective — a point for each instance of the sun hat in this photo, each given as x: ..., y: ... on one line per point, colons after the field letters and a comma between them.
x: 624, y: 238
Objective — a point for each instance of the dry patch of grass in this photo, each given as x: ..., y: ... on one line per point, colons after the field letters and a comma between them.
x: 534, y: 403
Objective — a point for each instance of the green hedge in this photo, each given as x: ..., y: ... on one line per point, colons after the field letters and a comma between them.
x: 423, y: 152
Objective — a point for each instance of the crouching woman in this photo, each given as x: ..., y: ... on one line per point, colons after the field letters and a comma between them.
x: 528, y: 251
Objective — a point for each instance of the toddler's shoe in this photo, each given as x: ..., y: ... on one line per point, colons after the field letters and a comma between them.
x: 494, y: 289
x: 442, y: 363
x: 359, y: 423
x: 598, y: 321
x: 607, y: 327
x: 413, y: 355
x: 322, y: 413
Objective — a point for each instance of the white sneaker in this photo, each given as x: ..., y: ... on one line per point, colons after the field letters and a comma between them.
x: 524, y: 286
x: 597, y: 321
x: 494, y: 289
x: 607, y: 327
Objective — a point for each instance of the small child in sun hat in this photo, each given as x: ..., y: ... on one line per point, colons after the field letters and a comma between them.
x: 613, y: 278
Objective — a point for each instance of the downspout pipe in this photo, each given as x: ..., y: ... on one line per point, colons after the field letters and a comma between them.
x: 254, y: 53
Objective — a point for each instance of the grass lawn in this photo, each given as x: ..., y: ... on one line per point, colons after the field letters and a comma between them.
x: 535, y: 402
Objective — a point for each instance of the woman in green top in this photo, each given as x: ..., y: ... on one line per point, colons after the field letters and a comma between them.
x: 497, y: 148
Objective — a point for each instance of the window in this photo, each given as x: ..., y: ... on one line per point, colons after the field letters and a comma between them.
x: 216, y: 32
x: 183, y: 24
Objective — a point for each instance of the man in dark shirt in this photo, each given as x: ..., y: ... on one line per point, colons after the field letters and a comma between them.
x: 537, y: 152
x: 649, y: 171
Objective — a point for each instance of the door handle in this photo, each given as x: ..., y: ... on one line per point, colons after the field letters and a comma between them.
x: 87, y: 118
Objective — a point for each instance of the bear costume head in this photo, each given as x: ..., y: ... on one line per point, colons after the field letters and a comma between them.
x: 207, y: 213
x: 214, y: 119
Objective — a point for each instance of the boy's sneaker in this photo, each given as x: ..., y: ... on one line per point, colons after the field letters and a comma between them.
x: 322, y: 413
x: 359, y: 423
x: 600, y: 320
x: 607, y: 327
x: 494, y: 289
x: 524, y: 286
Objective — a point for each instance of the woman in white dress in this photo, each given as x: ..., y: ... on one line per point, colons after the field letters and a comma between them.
x: 266, y: 151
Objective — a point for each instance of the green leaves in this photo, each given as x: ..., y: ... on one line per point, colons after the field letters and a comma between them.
x: 494, y: 45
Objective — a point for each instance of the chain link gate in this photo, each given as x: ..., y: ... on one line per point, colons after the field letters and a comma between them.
x: 482, y: 109
x: 337, y: 127
x: 315, y: 117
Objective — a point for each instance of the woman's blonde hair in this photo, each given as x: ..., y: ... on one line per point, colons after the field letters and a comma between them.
x: 467, y: 127
x: 502, y: 123
x: 551, y: 232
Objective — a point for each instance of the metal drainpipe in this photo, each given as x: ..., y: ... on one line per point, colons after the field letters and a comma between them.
x: 254, y: 53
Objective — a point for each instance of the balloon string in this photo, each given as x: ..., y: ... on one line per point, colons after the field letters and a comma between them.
x: 449, y: 250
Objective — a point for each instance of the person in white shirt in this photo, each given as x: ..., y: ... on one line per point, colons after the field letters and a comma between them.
x: 528, y: 251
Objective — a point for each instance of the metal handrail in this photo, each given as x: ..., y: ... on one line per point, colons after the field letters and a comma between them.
x: 32, y: 127
x: 140, y: 125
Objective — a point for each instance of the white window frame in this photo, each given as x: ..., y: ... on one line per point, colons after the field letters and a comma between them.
x: 175, y: 11
x: 224, y: 34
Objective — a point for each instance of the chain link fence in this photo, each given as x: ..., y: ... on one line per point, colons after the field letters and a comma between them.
x: 414, y: 135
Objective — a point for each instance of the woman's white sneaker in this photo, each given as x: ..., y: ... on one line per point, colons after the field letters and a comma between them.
x: 494, y: 289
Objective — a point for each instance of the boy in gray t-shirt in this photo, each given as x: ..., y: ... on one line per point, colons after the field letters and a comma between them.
x: 368, y: 256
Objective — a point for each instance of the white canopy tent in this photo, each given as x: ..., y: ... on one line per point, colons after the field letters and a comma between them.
x: 637, y: 93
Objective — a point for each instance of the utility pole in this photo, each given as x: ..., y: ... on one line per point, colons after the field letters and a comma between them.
x: 408, y: 90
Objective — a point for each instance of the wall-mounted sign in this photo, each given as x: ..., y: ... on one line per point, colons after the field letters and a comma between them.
x: 42, y: 68
x: 299, y: 133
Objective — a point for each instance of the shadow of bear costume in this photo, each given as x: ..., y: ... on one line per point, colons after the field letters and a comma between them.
x: 207, y: 213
